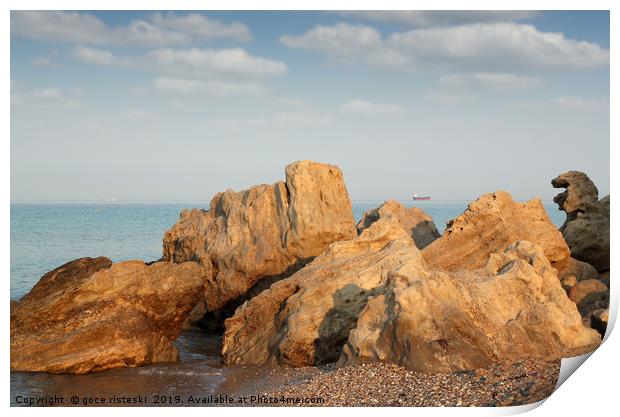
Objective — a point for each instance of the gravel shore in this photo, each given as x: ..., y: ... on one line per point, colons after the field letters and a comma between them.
x: 382, y: 384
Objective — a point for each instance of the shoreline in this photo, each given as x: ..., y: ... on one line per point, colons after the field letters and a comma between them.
x: 390, y: 385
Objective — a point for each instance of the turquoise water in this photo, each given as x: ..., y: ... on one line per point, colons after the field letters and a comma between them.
x: 44, y: 236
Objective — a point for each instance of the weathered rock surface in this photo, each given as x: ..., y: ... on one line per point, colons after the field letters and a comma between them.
x: 592, y: 302
x: 583, y: 288
x: 581, y: 271
x: 305, y: 319
x: 252, y: 238
x: 90, y: 315
x: 414, y: 220
x: 511, y: 309
x: 586, y: 229
x: 568, y: 283
x: 490, y: 224
x: 376, y: 296
x: 599, y: 319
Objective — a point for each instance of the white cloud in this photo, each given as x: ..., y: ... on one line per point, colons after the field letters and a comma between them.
x: 498, y: 44
x: 203, y: 27
x: 339, y: 41
x: 486, y: 46
x: 49, y: 97
x: 207, y: 62
x: 212, y: 88
x: 157, y: 29
x: 489, y: 80
x: 367, y: 108
x: 430, y: 18
x: 96, y: 56
x: 465, y: 88
x: 220, y: 72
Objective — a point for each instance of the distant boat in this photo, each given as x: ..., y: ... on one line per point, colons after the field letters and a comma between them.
x: 417, y: 197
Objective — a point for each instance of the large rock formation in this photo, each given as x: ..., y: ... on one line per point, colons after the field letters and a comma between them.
x: 90, y: 315
x: 415, y: 221
x: 512, y: 308
x: 305, y: 319
x: 249, y: 239
x: 586, y: 229
x: 490, y: 224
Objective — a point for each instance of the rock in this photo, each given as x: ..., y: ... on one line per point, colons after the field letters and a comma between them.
x: 599, y: 319
x: 591, y: 302
x: 91, y: 315
x: 578, y: 269
x: 490, y: 224
x: 580, y: 192
x: 376, y: 296
x: 568, y: 283
x: 57, y: 280
x: 586, y: 229
x: 415, y: 221
x: 583, y: 288
x: 604, y: 278
x: 306, y: 319
x: 252, y: 238
x: 512, y: 308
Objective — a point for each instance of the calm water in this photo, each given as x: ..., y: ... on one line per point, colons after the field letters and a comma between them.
x: 46, y: 236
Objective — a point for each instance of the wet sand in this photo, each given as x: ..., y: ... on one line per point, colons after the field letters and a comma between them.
x: 199, y: 374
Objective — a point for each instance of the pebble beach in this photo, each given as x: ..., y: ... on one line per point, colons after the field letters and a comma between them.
x: 389, y: 385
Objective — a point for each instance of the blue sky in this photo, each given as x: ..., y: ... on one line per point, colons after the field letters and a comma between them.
x: 180, y: 105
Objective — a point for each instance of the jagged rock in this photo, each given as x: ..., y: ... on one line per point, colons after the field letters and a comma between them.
x: 578, y: 269
x: 511, y: 309
x: 305, y: 319
x: 415, y: 221
x: 591, y: 302
x: 580, y: 192
x: 91, y: 315
x: 599, y: 319
x: 586, y: 229
x: 583, y: 288
x: 514, y: 308
x: 490, y: 224
x: 252, y: 238
x: 568, y: 283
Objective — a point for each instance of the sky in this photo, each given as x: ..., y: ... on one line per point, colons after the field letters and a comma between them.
x: 177, y: 106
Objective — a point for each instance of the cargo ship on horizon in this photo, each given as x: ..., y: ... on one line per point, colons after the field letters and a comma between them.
x: 417, y: 197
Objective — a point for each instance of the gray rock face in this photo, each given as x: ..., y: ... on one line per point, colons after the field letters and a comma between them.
x: 586, y: 229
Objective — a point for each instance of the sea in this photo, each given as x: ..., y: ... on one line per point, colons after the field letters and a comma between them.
x: 45, y: 236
